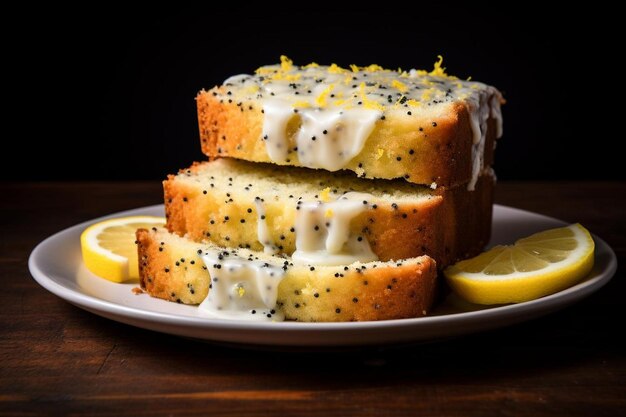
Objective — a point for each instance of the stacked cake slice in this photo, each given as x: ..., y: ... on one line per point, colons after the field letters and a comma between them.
x: 329, y: 194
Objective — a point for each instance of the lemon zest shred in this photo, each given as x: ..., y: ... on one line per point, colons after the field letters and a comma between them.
x: 325, y: 194
x: 301, y: 104
x: 367, y: 102
x: 399, y: 85
x: 285, y: 63
x: 286, y: 77
x: 292, y: 77
x: 241, y: 291
x: 264, y: 70
x: 373, y: 68
x: 438, y: 70
x: 311, y: 65
x: 336, y: 69
x: 321, y: 100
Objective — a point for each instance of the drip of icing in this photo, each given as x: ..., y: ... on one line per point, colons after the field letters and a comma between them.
x: 496, y: 113
x: 263, y: 232
x: 241, y: 288
x: 323, y: 232
x: 277, y: 115
x: 478, y: 117
x: 480, y: 107
x: 329, y: 139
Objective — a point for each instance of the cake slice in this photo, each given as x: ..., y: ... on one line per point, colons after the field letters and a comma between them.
x: 238, y: 204
x: 425, y: 127
x: 254, y: 285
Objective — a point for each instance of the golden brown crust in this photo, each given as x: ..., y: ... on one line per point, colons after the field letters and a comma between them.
x: 433, y: 149
x: 457, y: 228
x: 454, y: 224
x: 386, y: 292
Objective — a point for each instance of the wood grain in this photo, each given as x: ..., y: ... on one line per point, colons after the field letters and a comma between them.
x: 56, y: 359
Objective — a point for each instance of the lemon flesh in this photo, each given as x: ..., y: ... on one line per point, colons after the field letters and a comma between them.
x: 109, y: 249
x: 541, y: 264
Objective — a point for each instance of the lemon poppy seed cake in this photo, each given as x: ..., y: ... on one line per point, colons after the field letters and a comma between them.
x: 425, y: 127
x: 273, y: 288
x: 265, y: 207
x: 329, y: 194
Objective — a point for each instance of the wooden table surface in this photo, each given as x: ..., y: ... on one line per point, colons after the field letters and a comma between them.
x: 56, y: 359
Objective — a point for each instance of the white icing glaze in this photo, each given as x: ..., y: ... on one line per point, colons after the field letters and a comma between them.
x: 329, y: 139
x: 481, y: 107
x: 323, y: 231
x: 277, y: 116
x: 478, y: 119
x: 263, y: 230
x: 348, y: 104
x: 241, y: 288
x: 496, y: 113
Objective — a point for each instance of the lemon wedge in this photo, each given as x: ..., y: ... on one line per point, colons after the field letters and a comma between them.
x: 109, y: 249
x: 535, y: 266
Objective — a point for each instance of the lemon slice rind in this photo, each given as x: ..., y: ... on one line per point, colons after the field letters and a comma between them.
x: 104, y: 262
x: 520, y: 286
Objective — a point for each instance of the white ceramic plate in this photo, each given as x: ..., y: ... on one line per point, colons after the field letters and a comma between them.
x: 57, y: 265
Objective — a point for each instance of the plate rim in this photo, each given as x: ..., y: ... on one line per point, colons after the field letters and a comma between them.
x: 89, y: 302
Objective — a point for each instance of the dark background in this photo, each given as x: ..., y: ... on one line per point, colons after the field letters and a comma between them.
x: 110, y: 94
